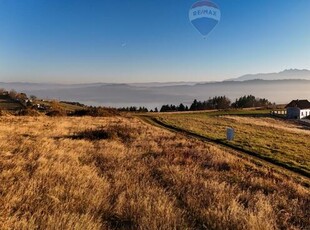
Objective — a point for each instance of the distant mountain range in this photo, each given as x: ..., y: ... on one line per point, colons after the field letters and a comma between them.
x: 277, y: 87
x: 289, y: 74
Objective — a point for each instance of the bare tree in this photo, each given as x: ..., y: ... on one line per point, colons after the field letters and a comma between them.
x: 13, y: 94
x: 33, y: 97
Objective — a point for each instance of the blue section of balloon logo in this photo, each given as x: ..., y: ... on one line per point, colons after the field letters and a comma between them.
x: 204, y: 15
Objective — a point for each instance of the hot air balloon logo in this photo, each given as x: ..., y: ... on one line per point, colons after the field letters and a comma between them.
x: 204, y: 15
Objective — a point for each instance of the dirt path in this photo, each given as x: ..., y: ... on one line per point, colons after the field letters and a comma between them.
x: 300, y: 175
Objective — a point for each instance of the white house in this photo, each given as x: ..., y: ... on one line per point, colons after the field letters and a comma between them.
x: 298, y: 109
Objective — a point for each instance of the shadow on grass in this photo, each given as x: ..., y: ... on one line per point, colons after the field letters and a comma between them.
x: 120, y: 222
x: 91, y: 135
x: 125, y: 134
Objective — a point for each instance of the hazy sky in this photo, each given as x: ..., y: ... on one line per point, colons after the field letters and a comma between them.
x: 148, y: 40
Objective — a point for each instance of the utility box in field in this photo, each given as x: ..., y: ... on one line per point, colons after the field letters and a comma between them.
x: 230, y: 133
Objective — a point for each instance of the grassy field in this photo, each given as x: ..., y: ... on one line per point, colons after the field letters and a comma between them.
x: 8, y: 104
x: 278, y: 140
x: 62, y: 105
x: 121, y: 173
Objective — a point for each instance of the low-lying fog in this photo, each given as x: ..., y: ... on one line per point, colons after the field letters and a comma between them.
x: 151, y: 96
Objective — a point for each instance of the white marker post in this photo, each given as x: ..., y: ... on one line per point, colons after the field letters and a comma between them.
x: 230, y: 134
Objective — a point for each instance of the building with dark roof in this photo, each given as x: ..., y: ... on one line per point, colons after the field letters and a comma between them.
x: 298, y: 109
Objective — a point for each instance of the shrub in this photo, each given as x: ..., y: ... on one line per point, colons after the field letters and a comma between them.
x: 95, y: 112
x: 56, y: 113
x: 29, y: 112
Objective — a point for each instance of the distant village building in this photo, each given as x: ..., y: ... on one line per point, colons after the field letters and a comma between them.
x: 41, y: 107
x: 298, y: 109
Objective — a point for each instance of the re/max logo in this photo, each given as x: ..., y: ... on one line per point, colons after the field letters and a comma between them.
x: 205, y: 12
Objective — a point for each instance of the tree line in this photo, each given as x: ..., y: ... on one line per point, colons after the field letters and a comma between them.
x: 220, y: 102
x: 140, y: 109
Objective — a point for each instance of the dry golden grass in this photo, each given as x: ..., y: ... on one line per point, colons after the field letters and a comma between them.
x: 119, y: 173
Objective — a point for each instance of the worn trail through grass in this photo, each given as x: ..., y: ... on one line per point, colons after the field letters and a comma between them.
x: 300, y: 173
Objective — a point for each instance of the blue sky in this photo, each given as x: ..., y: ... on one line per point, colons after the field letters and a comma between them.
x: 79, y: 41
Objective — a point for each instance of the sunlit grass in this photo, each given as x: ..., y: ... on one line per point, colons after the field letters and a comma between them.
x: 120, y: 173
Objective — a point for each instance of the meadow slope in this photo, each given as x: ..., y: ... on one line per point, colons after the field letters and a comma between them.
x: 279, y: 141
x: 120, y: 173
